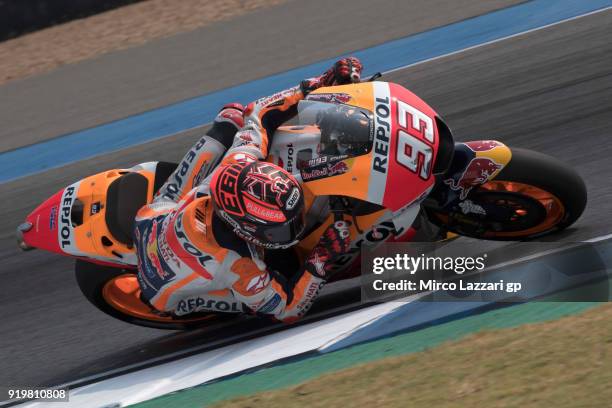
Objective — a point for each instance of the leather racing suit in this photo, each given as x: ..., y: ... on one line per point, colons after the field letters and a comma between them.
x: 189, y: 260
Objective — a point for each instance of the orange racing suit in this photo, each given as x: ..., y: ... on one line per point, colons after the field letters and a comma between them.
x: 190, y: 260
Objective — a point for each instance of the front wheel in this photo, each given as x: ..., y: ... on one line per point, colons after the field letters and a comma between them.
x: 116, y: 292
x: 533, y: 195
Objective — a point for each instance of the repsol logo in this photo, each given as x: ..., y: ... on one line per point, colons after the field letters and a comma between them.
x: 178, y: 177
x: 196, y: 304
x: 382, y: 132
x: 188, y: 246
x: 66, y: 227
x: 290, y: 152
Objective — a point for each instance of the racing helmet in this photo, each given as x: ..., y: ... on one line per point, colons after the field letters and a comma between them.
x: 261, y: 201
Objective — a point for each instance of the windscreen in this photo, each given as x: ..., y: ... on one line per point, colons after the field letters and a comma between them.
x: 345, y: 130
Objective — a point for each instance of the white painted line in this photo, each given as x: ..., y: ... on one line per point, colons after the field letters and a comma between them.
x: 195, y: 370
x: 600, y: 238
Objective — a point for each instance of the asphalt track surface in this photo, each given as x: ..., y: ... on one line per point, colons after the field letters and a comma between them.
x: 549, y: 90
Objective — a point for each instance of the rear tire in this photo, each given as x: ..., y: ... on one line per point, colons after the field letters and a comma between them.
x: 92, y: 278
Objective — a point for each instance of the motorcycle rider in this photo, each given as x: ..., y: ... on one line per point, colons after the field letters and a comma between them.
x: 201, y: 242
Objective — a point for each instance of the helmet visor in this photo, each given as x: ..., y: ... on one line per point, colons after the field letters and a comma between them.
x: 284, y: 234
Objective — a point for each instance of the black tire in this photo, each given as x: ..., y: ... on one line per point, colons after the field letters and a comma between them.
x: 552, y: 175
x: 529, y: 168
x: 91, y: 279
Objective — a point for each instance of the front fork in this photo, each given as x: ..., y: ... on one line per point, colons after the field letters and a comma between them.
x: 474, y: 164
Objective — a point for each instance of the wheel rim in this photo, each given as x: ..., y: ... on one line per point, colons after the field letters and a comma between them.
x: 553, y: 208
x: 123, y: 294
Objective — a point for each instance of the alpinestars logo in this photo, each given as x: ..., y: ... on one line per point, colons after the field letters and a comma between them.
x: 319, y: 263
x: 258, y: 283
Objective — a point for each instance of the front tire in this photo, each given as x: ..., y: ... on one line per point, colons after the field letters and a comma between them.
x: 533, y: 195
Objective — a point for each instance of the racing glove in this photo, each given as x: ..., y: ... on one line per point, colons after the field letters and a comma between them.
x: 334, y: 243
x: 345, y: 71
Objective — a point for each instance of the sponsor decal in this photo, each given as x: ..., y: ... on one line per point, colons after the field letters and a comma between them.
x: 243, y: 157
x: 274, y: 100
x: 226, y: 194
x: 330, y: 97
x: 290, y: 152
x: 65, y: 226
x: 229, y: 220
x: 469, y: 207
x: 175, y: 184
x: 309, y: 296
x: 328, y: 169
x: 318, y: 262
x: 381, y: 144
x: 264, y: 213
x: 153, y: 272
x: 196, y: 304
x: 270, y: 305
x: 258, y: 283
x: 201, y: 174
x: 382, y: 134
x: 52, y: 218
x: 246, y: 137
x: 154, y: 264
x: 324, y: 159
x: 164, y: 249
x: 191, y: 249
x: 483, y: 145
x: 379, y: 233
x: 95, y: 208
x: 476, y: 172
x: 293, y: 199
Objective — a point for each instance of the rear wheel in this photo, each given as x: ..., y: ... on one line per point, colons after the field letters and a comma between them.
x: 533, y: 195
x: 116, y: 292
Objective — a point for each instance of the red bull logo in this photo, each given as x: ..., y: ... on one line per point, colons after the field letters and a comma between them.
x: 483, y: 145
x: 338, y: 168
x: 326, y: 170
x: 152, y: 252
x: 477, y: 172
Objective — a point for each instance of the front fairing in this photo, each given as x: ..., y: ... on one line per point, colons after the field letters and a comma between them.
x: 394, y: 171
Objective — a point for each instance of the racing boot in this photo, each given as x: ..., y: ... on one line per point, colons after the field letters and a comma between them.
x: 227, y: 122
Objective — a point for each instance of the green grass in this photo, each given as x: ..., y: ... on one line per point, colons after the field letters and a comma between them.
x: 560, y: 363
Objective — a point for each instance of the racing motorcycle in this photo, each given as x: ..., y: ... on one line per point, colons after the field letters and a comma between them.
x: 373, y: 152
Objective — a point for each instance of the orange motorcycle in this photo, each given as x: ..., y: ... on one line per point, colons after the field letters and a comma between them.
x: 397, y: 169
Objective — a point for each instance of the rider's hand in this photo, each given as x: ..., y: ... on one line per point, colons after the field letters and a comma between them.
x: 345, y: 71
x: 334, y: 242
